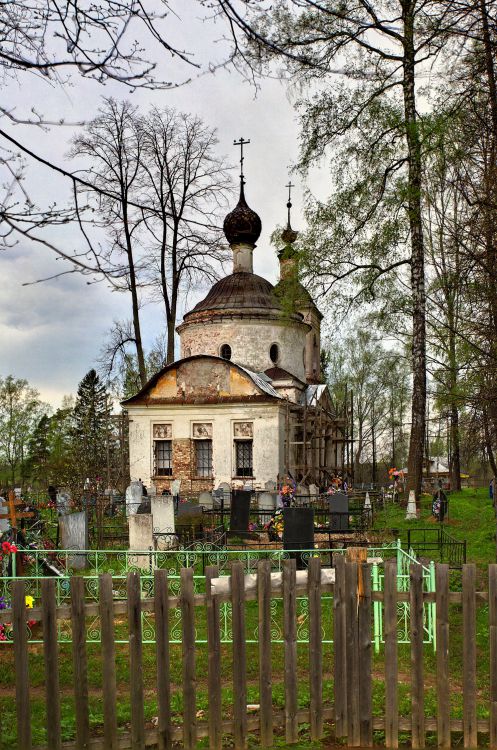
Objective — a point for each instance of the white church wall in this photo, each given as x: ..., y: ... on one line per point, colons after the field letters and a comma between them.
x: 250, y: 341
x: 267, y: 419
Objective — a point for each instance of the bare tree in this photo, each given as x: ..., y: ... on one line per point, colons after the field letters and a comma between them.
x: 157, y: 188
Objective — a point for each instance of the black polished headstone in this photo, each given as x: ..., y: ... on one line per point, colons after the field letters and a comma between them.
x: 240, y: 510
x: 339, y: 512
x: 298, y: 528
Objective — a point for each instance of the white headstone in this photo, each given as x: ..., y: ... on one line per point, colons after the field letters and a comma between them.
x: 4, y: 509
x: 134, y: 495
x: 62, y: 503
x: 74, y: 535
x: 270, y: 486
x: 162, y: 507
x: 18, y: 492
x: 226, y: 490
x: 313, y: 490
x: 205, y: 499
x: 302, y: 490
x: 141, y: 538
x: 367, y: 502
x: 175, y: 487
x: 411, y: 514
x: 267, y: 501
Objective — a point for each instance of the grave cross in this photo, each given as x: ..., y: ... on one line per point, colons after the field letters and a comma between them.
x: 13, y: 514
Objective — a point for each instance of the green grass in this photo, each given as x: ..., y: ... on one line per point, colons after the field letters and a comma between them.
x: 471, y: 517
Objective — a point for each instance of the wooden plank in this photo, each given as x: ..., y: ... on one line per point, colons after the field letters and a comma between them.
x: 469, y: 656
x: 352, y: 649
x: 214, y: 661
x: 290, y: 639
x: 417, y: 671
x: 492, y: 622
x: 161, y: 595
x: 21, y: 661
x: 391, y: 656
x: 365, y: 656
x: 339, y: 648
x: 442, y: 631
x: 239, y: 654
x: 189, y: 683
x: 108, y: 660
x: 315, y: 648
x: 80, y: 663
x: 51, y: 657
x: 133, y: 589
x: 265, y: 672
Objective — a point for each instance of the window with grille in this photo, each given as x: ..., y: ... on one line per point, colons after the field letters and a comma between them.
x: 163, y: 458
x: 243, y: 457
x: 203, y: 457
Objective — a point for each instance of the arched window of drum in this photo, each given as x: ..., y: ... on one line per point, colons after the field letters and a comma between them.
x: 274, y: 353
x: 226, y: 351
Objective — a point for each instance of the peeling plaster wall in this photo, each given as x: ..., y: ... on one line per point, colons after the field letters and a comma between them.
x: 250, y: 341
x: 268, y: 441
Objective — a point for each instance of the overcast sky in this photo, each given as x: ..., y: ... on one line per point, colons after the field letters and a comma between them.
x: 51, y: 333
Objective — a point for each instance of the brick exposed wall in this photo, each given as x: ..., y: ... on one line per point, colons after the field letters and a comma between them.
x: 183, y: 467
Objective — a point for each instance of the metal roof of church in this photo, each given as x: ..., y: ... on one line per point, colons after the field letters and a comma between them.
x: 240, y: 290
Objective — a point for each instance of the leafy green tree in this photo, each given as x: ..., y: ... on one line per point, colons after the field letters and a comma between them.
x: 20, y: 412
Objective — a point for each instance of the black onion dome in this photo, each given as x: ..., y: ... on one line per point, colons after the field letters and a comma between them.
x: 242, y: 225
x: 242, y: 290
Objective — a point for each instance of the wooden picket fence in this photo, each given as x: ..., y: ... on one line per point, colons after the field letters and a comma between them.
x: 349, y: 711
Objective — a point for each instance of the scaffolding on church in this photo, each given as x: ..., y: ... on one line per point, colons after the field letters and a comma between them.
x: 318, y: 443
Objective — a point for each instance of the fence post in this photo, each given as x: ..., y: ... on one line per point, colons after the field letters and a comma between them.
x: 340, y: 648
x: 50, y: 648
x: 21, y: 661
x: 492, y: 623
x: 135, y: 661
x: 417, y: 671
x: 239, y: 655
x: 290, y: 636
x: 315, y: 647
x: 352, y: 645
x: 161, y: 609
x: 391, y: 656
x: 214, y: 661
x: 78, y: 625
x: 364, y: 654
x: 469, y: 656
x: 189, y: 683
x: 376, y: 610
x: 265, y: 672
x: 442, y: 629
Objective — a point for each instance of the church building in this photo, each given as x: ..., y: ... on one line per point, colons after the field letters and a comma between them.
x: 244, y: 404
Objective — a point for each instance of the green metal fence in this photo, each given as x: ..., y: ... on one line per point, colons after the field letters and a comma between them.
x: 119, y: 562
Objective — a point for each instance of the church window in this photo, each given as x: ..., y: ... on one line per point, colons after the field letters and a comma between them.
x: 243, y: 458
x: 226, y: 351
x: 203, y: 458
x: 163, y: 458
x: 274, y: 353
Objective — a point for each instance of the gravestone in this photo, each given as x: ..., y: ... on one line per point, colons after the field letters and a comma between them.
x: 175, y: 487
x: 163, y: 521
x: 141, y: 539
x: 267, y: 501
x: 4, y: 509
x: 134, y: 494
x: 226, y: 490
x: 240, y: 511
x: 411, y: 514
x: 298, y: 531
x: 302, y: 491
x: 270, y: 486
x: 205, y: 500
x: 186, y: 508
x: 74, y: 535
x: 313, y: 490
x: 339, y: 512
x: 62, y: 502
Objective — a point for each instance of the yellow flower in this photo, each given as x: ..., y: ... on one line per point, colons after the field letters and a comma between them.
x: 29, y: 602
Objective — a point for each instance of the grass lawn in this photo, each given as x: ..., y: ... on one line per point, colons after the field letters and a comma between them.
x: 471, y: 517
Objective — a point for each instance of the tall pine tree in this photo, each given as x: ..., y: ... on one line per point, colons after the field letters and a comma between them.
x: 89, y: 428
